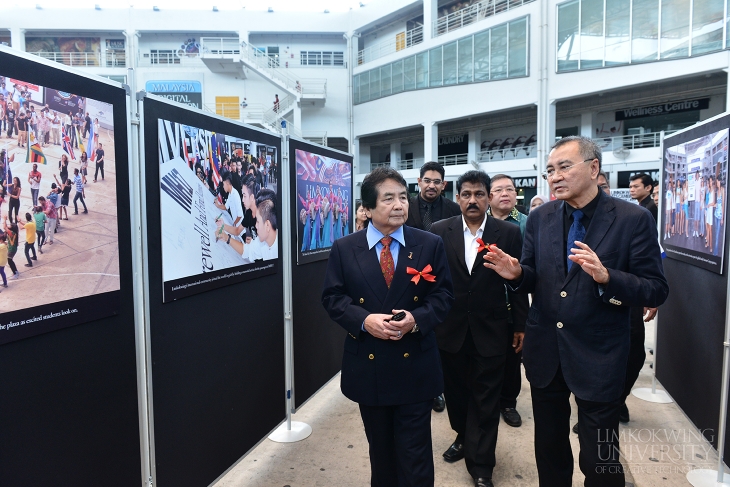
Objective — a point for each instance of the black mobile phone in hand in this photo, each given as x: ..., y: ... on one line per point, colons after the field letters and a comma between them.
x: 398, y: 316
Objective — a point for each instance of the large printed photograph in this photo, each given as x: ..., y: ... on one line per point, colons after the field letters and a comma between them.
x: 58, y: 204
x: 324, y: 202
x: 695, y: 201
x: 219, y: 209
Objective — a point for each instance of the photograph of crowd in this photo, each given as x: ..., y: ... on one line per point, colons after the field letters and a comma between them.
x: 58, y: 202
x: 218, y: 207
x: 324, y: 190
x: 694, y: 193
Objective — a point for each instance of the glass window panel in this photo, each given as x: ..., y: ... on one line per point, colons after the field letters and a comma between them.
x: 727, y: 25
x: 568, y: 45
x: 397, y: 77
x: 518, y: 48
x: 645, y: 31
x: 450, y: 62
x: 356, y: 89
x: 498, y: 52
x: 707, y: 23
x: 375, y: 84
x: 591, y: 34
x: 481, y: 56
x: 466, y: 63
x: 422, y: 70
x: 435, y: 73
x: 365, y: 86
x: 675, y: 28
x: 409, y: 73
x: 385, y: 85
x: 618, y: 40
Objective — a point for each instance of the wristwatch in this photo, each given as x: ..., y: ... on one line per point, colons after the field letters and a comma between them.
x: 415, y: 328
x: 228, y: 242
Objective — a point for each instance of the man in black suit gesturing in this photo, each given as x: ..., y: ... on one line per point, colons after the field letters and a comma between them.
x: 587, y: 259
x: 471, y: 339
x: 428, y: 207
x: 389, y: 287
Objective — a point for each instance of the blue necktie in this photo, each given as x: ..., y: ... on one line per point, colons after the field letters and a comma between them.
x: 577, y: 232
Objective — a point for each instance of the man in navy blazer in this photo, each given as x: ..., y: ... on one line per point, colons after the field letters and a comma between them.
x: 391, y: 368
x: 577, y: 332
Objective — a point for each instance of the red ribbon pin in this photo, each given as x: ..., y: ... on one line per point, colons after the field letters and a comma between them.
x: 417, y: 275
x: 482, y: 245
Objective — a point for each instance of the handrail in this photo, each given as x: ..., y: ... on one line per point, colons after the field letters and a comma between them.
x: 226, y: 110
x: 318, y: 137
x: 453, y: 159
x: 415, y: 163
x: 375, y: 165
x: 402, y: 40
x: 636, y: 141
x: 474, y: 13
x: 71, y: 58
x: 148, y: 58
x: 219, y: 45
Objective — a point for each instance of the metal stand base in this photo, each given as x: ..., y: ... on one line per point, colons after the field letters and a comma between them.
x: 705, y: 478
x: 298, y: 431
x: 646, y: 394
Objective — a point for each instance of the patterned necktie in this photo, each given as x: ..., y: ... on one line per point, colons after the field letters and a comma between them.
x: 387, y: 266
x: 577, y: 232
x: 427, y: 218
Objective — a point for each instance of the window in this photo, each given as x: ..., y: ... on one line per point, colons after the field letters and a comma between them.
x: 434, y: 69
x: 517, y: 60
x: 568, y: 48
x: 450, y: 64
x: 322, y: 58
x: 466, y: 63
x: 163, y: 56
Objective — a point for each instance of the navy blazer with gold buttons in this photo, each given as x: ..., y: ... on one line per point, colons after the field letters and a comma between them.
x: 379, y: 372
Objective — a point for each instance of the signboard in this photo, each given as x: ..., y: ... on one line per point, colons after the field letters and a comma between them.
x: 187, y: 92
x: 663, y: 109
x: 694, y: 198
x: 115, y: 44
x: 63, y: 102
x: 453, y: 144
x: 217, y: 228
x: 530, y: 182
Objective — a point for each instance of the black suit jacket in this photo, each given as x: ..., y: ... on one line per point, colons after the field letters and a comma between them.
x: 387, y: 372
x: 649, y: 204
x: 480, y: 304
x: 571, y: 324
x: 448, y: 209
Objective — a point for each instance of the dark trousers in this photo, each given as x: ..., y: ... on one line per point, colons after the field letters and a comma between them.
x: 400, y: 444
x: 597, y: 434
x: 99, y: 166
x: 28, y: 249
x: 14, y: 204
x: 12, y: 265
x: 11, y: 129
x: 34, y: 196
x: 472, y: 386
x: 41, y: 238
x: 637, y: 353
x: 79, y: 196
x: 512, y: 384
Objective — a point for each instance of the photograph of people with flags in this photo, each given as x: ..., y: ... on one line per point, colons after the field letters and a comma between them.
x: 49, y: 254
x: 219, y: 208
x: 324, y: 190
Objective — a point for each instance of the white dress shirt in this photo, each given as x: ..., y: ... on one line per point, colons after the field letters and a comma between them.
x: 471, y: 245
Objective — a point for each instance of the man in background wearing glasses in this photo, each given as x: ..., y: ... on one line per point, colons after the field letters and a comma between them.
x: 503, y: 206
x: 587, y: 259
x: 427, y: 208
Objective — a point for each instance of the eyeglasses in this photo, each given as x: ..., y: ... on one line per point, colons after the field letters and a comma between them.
x: 562, y: 168
x: 428, y: 182
x: 502, y: 190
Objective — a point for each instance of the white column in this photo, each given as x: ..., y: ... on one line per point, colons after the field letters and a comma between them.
x: 586, y: 124
x: 430, y: 141
x: 474, y: 143
x: 243, y: 37
x: 298, y: 116
x: 17, y: 38
x: 395, y: 154
x: 545, y: 140
x: 430, y: 14
x: 356, y: 164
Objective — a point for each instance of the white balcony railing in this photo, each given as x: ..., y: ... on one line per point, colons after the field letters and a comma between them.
x: 375, y: 165
x: 454, y: 159
x: 474, y: 13
x: 220, y: 46
x: 169, y: 59
x: 318, y: 137
x: 401, y: 41
x: 72, y: 58
x: 404, y: 164
x: 313, y: 86
x: 227, y: 110
x: 639, y: 141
